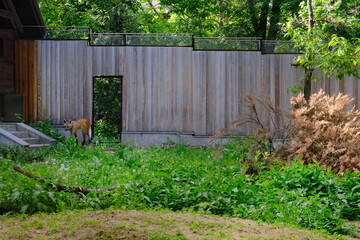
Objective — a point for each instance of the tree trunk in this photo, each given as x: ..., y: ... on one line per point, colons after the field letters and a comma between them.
x: 259, y: 23
x: 253, y: 16
x: 221, y: 13
x: 274, y: 20
x: 273, y: 26
x: 309, y: 71
x: 311, y: 16
x: 263, y: 19
x: 307, y: 83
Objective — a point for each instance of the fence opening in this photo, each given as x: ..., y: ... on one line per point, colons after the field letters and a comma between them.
x: 107, y: 97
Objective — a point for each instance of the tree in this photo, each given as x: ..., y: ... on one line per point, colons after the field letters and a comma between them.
x: 100, y: 15
x: 327, y: 33
x: 202, y: 17
x: 266, y: 15
x: 228, y: 18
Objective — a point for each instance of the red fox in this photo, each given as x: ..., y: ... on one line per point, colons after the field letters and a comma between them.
x: 79, y: 124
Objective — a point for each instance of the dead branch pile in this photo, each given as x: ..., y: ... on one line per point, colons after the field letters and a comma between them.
x: 325, y: 132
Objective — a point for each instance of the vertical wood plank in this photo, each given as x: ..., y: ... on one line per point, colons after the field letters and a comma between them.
x: 164, y: 88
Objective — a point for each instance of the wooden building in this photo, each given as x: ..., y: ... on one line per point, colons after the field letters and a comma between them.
x: 14, y: 15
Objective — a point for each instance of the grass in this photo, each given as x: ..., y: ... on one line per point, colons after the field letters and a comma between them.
x: 179, y: 179
x: 127, y: 224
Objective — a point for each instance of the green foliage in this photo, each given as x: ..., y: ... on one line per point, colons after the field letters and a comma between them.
x: 44, y: 126
x: 22, y: 195
x: 224, y: 18
x: 25, y: 155
x: 19, y: 117
x: 180, y: 178
x: 107, y: 107
x: 100, y: 15
x: 250, y: 151
x: 328, y: 35
x: 105, y: 129
x: 102, y: 142
x: 305, y: 195
x: 245, y: 18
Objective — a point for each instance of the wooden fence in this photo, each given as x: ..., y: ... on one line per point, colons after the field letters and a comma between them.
x: 165, y: 89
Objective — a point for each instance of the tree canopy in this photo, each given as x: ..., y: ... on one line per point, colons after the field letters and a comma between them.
x: 229, y: 18
x: 100, y: 15
x: 328, y: 34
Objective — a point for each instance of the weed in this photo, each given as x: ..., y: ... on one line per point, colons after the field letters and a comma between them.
x: 119, y: 227
x: 166, y: 237
x: 33, y: 224
x: 44, y: 126
x: 18, y: 233
x: 90, y: 222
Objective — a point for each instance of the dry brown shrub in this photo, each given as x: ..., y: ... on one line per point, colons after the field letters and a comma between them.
x: 269, y: 125
x: 267, y: 129
x: 324, y: 131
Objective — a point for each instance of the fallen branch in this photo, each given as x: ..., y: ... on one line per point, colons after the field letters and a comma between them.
x: 61, y: 187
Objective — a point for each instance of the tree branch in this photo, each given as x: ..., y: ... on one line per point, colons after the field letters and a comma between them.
x: 61, y: 187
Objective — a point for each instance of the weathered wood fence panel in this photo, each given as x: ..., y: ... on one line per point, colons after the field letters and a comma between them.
x: 223, y: 79
x: 166, y: 89
x: 158, y: 89
x: 64, y: 80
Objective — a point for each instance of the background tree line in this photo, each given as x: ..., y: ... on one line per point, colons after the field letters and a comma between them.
x: 229, y: 18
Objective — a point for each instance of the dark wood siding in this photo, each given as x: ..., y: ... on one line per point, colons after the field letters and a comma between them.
x: 26, y: 79
x: 7, y: 61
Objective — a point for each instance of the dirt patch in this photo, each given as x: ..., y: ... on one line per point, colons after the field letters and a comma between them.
x: 144, y: 225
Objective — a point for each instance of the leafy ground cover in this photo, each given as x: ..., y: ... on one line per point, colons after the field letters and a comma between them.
x: 179, y: 179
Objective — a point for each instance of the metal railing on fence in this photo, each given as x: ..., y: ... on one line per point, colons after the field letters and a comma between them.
x: 141, y: 39
x: 277, y: 46
x: 166, y: 40
x: 227, y: 43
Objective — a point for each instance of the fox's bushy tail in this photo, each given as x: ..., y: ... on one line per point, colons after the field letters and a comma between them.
x: 90, y: 135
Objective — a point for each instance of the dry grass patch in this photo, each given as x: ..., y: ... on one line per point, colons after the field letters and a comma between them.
x: 144, y: 225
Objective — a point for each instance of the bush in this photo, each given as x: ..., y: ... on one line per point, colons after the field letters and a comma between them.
x: 248, y: 151
x: 104, y: 130
x: 45, y: 127
x: 323, y: 131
